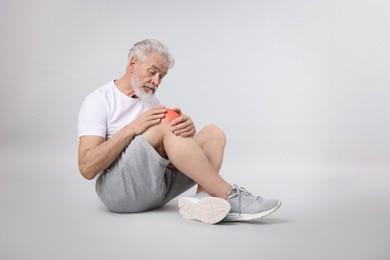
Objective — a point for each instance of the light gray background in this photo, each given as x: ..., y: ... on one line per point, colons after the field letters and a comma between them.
x: 301, y: 89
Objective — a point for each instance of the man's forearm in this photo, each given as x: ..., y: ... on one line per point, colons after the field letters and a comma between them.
x: 97, y: 159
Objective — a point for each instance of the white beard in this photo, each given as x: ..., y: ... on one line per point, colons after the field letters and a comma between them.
x: 140, y: 89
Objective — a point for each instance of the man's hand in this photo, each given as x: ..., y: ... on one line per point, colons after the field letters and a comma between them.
x: 183, y: 125
x: 147, y: 119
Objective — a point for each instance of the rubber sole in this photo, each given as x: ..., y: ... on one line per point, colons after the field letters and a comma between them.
x: 245, y: 217
x: 208, y: 210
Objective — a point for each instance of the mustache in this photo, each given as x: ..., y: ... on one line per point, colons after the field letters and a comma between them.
x: 152, y: 87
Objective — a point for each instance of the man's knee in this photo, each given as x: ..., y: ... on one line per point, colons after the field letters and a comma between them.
x: 155, y: 135
x: 215, y: 133
x: 170, y: 115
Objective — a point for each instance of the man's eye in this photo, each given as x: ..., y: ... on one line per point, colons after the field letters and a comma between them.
x: 152, y: 72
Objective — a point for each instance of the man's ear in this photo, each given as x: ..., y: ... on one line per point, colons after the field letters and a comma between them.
x: 132, y: 64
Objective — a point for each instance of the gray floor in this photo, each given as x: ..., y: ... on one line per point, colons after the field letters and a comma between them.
x: 49, y: 212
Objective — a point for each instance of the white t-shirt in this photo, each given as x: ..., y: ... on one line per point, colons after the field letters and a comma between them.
x: 106, y: 110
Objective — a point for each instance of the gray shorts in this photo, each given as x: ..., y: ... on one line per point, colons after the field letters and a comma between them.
x: 139, y: 180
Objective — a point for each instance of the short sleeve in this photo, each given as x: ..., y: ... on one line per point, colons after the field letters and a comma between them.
x: 93, y: 117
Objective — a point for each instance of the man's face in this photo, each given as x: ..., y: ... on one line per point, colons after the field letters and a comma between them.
x: 148, y: 75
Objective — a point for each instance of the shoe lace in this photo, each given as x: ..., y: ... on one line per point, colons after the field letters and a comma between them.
x: 240, y: 192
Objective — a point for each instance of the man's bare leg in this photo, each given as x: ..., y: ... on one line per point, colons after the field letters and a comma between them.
x: 188, y: 156
x: 212, y: 140
x: 194, y: 157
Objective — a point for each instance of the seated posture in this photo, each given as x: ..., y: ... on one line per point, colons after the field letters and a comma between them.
x: 142, y: 154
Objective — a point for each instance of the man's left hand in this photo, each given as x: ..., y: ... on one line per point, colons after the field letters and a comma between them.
x: 183, y: 125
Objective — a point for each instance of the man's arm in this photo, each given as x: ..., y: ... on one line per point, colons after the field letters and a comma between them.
x: 95, y: 155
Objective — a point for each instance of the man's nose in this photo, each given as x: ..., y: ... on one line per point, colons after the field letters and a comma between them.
x: 156, y: 80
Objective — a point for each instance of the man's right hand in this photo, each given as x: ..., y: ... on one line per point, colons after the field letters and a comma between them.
x: 147, y: 119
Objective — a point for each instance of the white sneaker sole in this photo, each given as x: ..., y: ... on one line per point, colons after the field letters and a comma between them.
x: 208, y: 210
x: 244, y: 217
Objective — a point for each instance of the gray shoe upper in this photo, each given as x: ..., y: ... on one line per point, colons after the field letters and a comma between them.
x: 243, y: 202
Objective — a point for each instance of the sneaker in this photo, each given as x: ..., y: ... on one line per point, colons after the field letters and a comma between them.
x: 204, y: 208
x: 245, y: 206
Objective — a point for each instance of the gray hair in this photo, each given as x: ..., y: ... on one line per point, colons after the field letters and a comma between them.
x: 141, y: 51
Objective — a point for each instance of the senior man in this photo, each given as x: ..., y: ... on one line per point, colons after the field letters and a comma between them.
x: 142, y: 154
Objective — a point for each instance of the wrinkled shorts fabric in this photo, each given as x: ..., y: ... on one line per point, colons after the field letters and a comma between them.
x: 140, y: 180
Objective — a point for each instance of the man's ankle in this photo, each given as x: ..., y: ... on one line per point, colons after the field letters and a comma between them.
x: 224, y: 192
